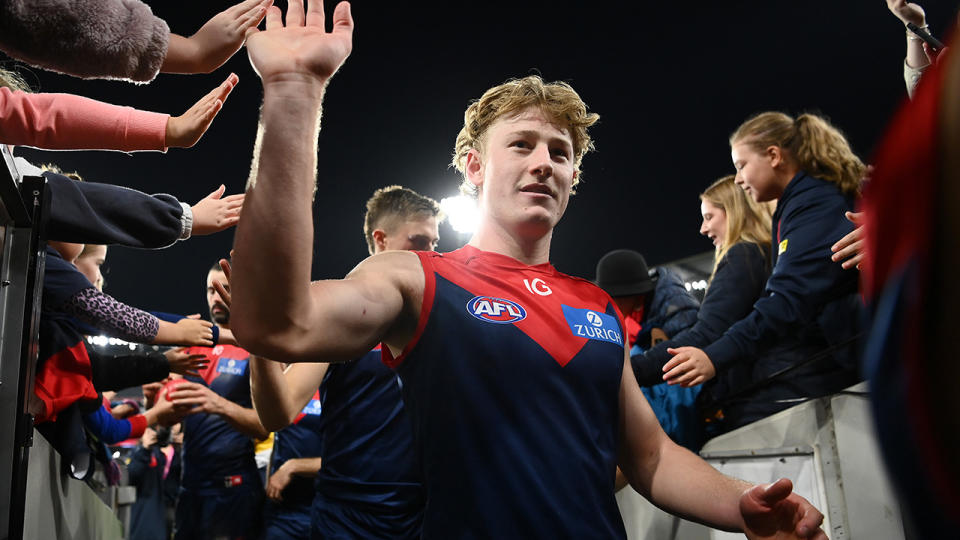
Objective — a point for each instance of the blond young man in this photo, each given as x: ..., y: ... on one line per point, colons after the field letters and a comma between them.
x: 498, y: 459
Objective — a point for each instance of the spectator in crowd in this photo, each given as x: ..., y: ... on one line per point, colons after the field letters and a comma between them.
x: 369, y: 484
x: 514, y: 405
x: 810, y: 308
x: 119, y: 39
x: 221, y: 493
x: 63, y: 371
x: 655, y: 306
x: 153, y: 467
x: 739, y: 228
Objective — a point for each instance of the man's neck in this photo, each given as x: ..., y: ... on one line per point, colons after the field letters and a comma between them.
x: 490, y: 237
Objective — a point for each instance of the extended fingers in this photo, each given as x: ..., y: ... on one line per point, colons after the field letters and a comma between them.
x: 249, y: 14
x: 224, y: 293
x: 343, y: 20
x: 274, y: 19
x: 294, y: 13
x: 776, y: 492
x: 315, y: 15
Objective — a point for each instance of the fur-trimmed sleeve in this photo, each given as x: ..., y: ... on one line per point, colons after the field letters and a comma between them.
x: 110, y: 39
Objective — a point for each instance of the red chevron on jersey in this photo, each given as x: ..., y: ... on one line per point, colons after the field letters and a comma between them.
x: 503, y: 295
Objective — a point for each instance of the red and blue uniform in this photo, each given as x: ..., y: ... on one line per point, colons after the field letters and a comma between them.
x: 512, y: 383
x: 221, y: 493
x: 369, y: 485
x: 290, y: 517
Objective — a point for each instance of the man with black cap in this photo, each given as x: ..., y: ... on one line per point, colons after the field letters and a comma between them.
x: 649, y: 299
x: 655, y: 306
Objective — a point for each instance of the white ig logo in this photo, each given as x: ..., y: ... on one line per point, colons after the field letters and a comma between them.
x: 537, y: 286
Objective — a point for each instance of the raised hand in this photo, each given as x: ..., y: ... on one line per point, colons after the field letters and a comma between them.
x: 185, y: 364
x: 907, y: 12
x: 689, y: 366
x: 185, y: 130
x: 194, y: 397
x: 216, y: 41
x: 301, y: 50
x: 774, y: 512
x: 215, y: 212
x: 222, y: 288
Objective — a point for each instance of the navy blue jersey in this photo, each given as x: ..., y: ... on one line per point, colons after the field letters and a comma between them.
x: 512, y: 384
x: 212, y: 449
x: 367, y: 448
x: 301, y: 439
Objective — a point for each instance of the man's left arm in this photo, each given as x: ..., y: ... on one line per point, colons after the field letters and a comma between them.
x: 678, y: 481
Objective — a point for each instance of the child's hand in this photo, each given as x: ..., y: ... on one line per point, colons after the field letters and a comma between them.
x: 215, y: 212
x: 185, y: 130
x: 216, y: 41
x: 689, y: 367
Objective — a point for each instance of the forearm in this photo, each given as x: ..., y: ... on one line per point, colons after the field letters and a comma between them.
x: 685, y: 485
x: 274, y: 240
x: 113, y: 317
x: 278, y: 395
x: 242, y: 419
x: 270, y: 395
x: 303, y: 466
x: 181, y: 56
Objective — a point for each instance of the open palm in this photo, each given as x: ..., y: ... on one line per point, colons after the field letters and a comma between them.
x: 302, y: 48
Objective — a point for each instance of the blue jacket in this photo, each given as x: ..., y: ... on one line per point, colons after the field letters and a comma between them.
x: 736, y: 285
x: 810, y: 304
x: 670, y: 308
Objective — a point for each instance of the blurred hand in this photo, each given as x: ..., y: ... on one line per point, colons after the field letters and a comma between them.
x: 278, y: 481
x: 194, y: 332
x: 185, y: 130
x: 149, y: 438
x: 150, y: 392
x: 689, y: 366
x: 849, y: 249
x: 185, y: 364
x: 223, y: 288
x: 907, y: 12
x: 193, y: 398
x: 303, y: 50
x: 773, y: 512
x: 215, y: 212
x: 164, y: 412
x: 216, y: 41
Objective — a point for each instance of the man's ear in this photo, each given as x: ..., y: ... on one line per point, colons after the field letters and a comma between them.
x: 379, y: 240
x: 474, y: 168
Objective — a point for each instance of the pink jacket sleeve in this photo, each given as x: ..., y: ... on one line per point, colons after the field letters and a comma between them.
x: 69, y: 122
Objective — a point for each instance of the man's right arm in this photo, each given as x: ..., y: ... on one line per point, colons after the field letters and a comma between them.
x: 279, y: 395
x: 277, y: 312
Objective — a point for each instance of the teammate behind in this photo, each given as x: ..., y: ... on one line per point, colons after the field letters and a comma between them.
x: 368, y: 486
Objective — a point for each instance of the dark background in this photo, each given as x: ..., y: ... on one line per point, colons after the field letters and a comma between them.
x: 669, y: 82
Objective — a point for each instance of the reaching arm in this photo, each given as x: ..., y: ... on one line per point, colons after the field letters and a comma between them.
x: 278, y: 394
x: 199, y: 398
x: 675, y: 479
x: 280, y: 479
x: 216, y: 41
x: 292, y: 319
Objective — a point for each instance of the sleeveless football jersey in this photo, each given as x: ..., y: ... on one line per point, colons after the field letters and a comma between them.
x: 369, y: 484
x: 512, y: 383
x: 301, y: 439
x: 212, y: 448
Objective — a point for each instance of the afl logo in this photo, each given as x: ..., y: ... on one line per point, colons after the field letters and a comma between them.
x: 495, y: 310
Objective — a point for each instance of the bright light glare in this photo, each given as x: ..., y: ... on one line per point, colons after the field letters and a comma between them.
x: 462, y: 212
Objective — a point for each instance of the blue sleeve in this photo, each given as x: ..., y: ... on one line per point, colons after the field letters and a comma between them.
x: 91, y: 213
x: 106, y: 427
x: 803, y: 280
x: 736, y: 285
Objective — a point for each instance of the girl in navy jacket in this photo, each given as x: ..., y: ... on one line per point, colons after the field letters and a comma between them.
x: 799, y: 340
